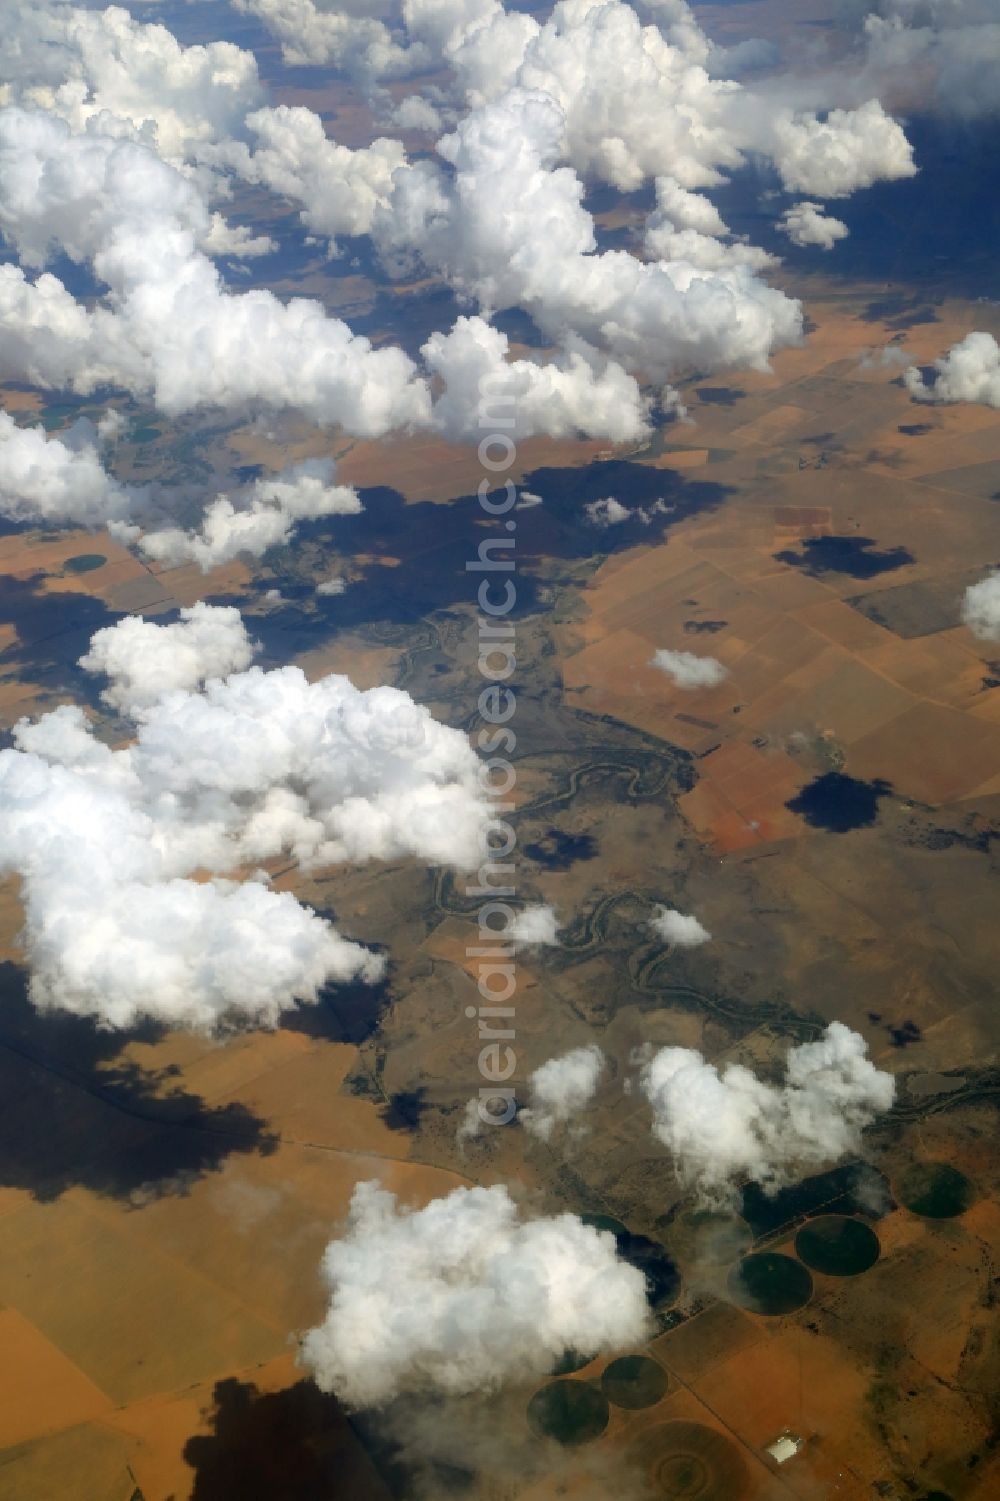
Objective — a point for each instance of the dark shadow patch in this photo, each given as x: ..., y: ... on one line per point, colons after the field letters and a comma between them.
x: 904, y: 1034
x: 838, y: 803
x: 704, y: 627
x: 292, y: 1445
x: 853, y: 556
x: 851, y: 1189
x: 404, y: 1109
x: 344, y: 1013
x: 915, y: 429
x: 74, y: 1114
x: 720, y: 396
x: 434, y: 557
x: 900, y: 311
x: 53, y: 631
x: 558, y: 851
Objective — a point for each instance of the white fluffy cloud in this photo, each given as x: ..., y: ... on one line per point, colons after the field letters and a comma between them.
x: 103, y: 67
x: 687, y: 670
x: 949, y: 48
x: 606, y: 512
x: 144, y: 661
x: 337, y: 188
x: 721, y: 1128
x: 536, y: 925
x: 169, y: 327
x: 58, y: 479
x: 464, y: 1295
x: 970, y: 371
x: 123, y: 854
x: 560, y: 1089
x: 509, y: 229
x: 806, y: 224
x: 834, y: 157
x: 680, y: 929
x: 577, y: 392
x: 981, y: 608
x: 265, y: 516
x: 686, y: 226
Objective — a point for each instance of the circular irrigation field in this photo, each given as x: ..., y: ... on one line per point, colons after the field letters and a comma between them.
x: 837, y: 1245
x: 935, y: 1190
x: 770, y: 1283
x: 689, y: 1462
x: 634, y: 1381
x: 571, y: 1412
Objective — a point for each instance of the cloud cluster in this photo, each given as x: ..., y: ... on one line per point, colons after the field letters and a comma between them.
x: 806, y: 224
x: 264, y: 516
x: 723, y: 1127
x: 981, y: 608
x: 560, y: 1089
x: 126, y: 856
x: 680, y: 929
x: 143, y: 661
x: 508, y: 228
x: 535, y: 926
x: 687, y: 670
x: 970, y: 371
x: 463, y: 1296
x: 950, y: 49
x: 58, y: 479
x: 168, y: 328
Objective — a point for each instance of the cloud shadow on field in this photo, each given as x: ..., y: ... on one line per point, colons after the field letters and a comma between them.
x: 74, y: 1113
x: 854, y: 556
x: 53, y: 632
x: 291, y: 1445
x: 427, y: 546
x: 839, y: 803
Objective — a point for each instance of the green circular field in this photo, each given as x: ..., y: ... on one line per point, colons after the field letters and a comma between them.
x: 85, y: 562
x: 770, y: 1283
x: 571, y: 1412
x: 935, y: 1190
x: 634, y: 1381
x: 709, y: 1238
x: 689, y: 1462
x: 837, y: 1245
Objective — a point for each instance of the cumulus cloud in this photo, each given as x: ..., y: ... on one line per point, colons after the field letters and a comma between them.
x: 58, y: 479
x: 606, y: 512
x: 834, y: 157
x: 723, y: 1127
x: 687, y: 670
x: 508, y: 228
x: 169, y: 327
x: 970, y: 371
x: 687, y: 226
x: 463, y: 1296
x: 561, y: 1089
x: 124, y: 854
x: 102, y: 67
x: 338, y: 188
x: 265, y: 516
x: 144, y: 661
x: 949, y: 48
x: 806, y: 224
x: 535, y: 925
x: 680, y: 929
x: 577, y: 392
x: 981, y: 608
